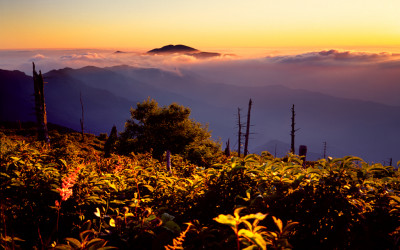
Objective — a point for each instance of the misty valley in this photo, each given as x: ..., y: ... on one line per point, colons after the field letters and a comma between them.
x: 129, y: 157
x: 348, y: 126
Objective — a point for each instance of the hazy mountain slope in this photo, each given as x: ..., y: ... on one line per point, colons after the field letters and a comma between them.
x: 135, y: 91
x: 366, y: 129
x: 16, y: 96
x: 62, y: 95
x: 349, y: 126
x: 102, y: 108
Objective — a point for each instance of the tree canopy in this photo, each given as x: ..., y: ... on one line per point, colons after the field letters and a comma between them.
x: 156, y: 129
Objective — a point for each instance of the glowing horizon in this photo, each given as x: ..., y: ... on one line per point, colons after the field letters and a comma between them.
x: 228, y: 24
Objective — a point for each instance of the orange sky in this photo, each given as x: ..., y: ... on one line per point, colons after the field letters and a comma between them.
x: 200, y: 24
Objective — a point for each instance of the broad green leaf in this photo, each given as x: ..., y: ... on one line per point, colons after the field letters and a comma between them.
x: 251, y: 156
x: 237, y: 212
x: 254, y: 237
x: 378, y: 168
x: 311, y: 170
x: 172, y: 226
x: 15, y: 159
x: 287, y: 181
x: 112, y: 185
x: 150, y: 188
x: 129, y: 215
x: 396, y: 198
x: 226, y: 220
x: 238, y: 167
x: 278, y: 223
x: 74, y: 242
x: 287, y: 168
x: 95, y: 244
x: 352, y: 158
x: 257, y: 216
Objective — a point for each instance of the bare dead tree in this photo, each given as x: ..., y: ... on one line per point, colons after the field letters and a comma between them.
x: 239, y: 133
x: 82, y: 119
x: 227, y: 149
x: 40, y: 106
x: 293, y: 131
x: 246, y: 144
x: 324, y: 149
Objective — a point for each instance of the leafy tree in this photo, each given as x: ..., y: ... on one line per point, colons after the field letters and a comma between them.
x: 111, y: 143
x: 157, y: 129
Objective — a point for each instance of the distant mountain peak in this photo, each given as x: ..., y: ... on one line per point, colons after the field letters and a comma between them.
x: 182, y: 49
x: 170, y: 49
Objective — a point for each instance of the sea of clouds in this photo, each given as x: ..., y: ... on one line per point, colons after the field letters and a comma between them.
x: 368, y: 76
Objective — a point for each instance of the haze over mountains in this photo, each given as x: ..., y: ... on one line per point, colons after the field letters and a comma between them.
x: 350, y: 127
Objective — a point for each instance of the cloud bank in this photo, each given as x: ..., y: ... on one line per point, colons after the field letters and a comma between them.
x: 349, y: 74
x: 335, y: 57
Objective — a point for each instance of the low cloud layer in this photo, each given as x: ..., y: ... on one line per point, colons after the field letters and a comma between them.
x: 335, y: 57
x: 348, y: 74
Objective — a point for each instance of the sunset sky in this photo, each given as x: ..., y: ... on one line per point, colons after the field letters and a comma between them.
x: 201, y: 24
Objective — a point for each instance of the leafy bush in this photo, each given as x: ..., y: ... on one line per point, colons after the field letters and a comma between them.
x: 87, y: 201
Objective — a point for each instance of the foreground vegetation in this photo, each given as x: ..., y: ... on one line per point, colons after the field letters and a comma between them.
x: 69, y: 196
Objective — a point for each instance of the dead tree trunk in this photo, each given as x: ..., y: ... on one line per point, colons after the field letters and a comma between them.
x: 40, y: 106
x: 227, y: 149
x: 246, y: 144
x: 239, y: 133
x: 292, y: 133
x: 82, y: 119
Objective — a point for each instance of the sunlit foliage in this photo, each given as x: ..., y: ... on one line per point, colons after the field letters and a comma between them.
x: 68, y: 196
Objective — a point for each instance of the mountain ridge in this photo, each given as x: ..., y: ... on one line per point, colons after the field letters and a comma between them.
x: 182, y: 49
x: 366, y: 129
x: 167, y: 49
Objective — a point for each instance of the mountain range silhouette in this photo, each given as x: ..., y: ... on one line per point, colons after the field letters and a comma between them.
x: 350, y: 127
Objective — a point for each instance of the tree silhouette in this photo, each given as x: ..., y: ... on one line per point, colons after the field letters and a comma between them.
x: 158, y: 129
x: 293, y: 131
x: 111, y: 144
x: 246, y: 144
x: 40, y: 106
